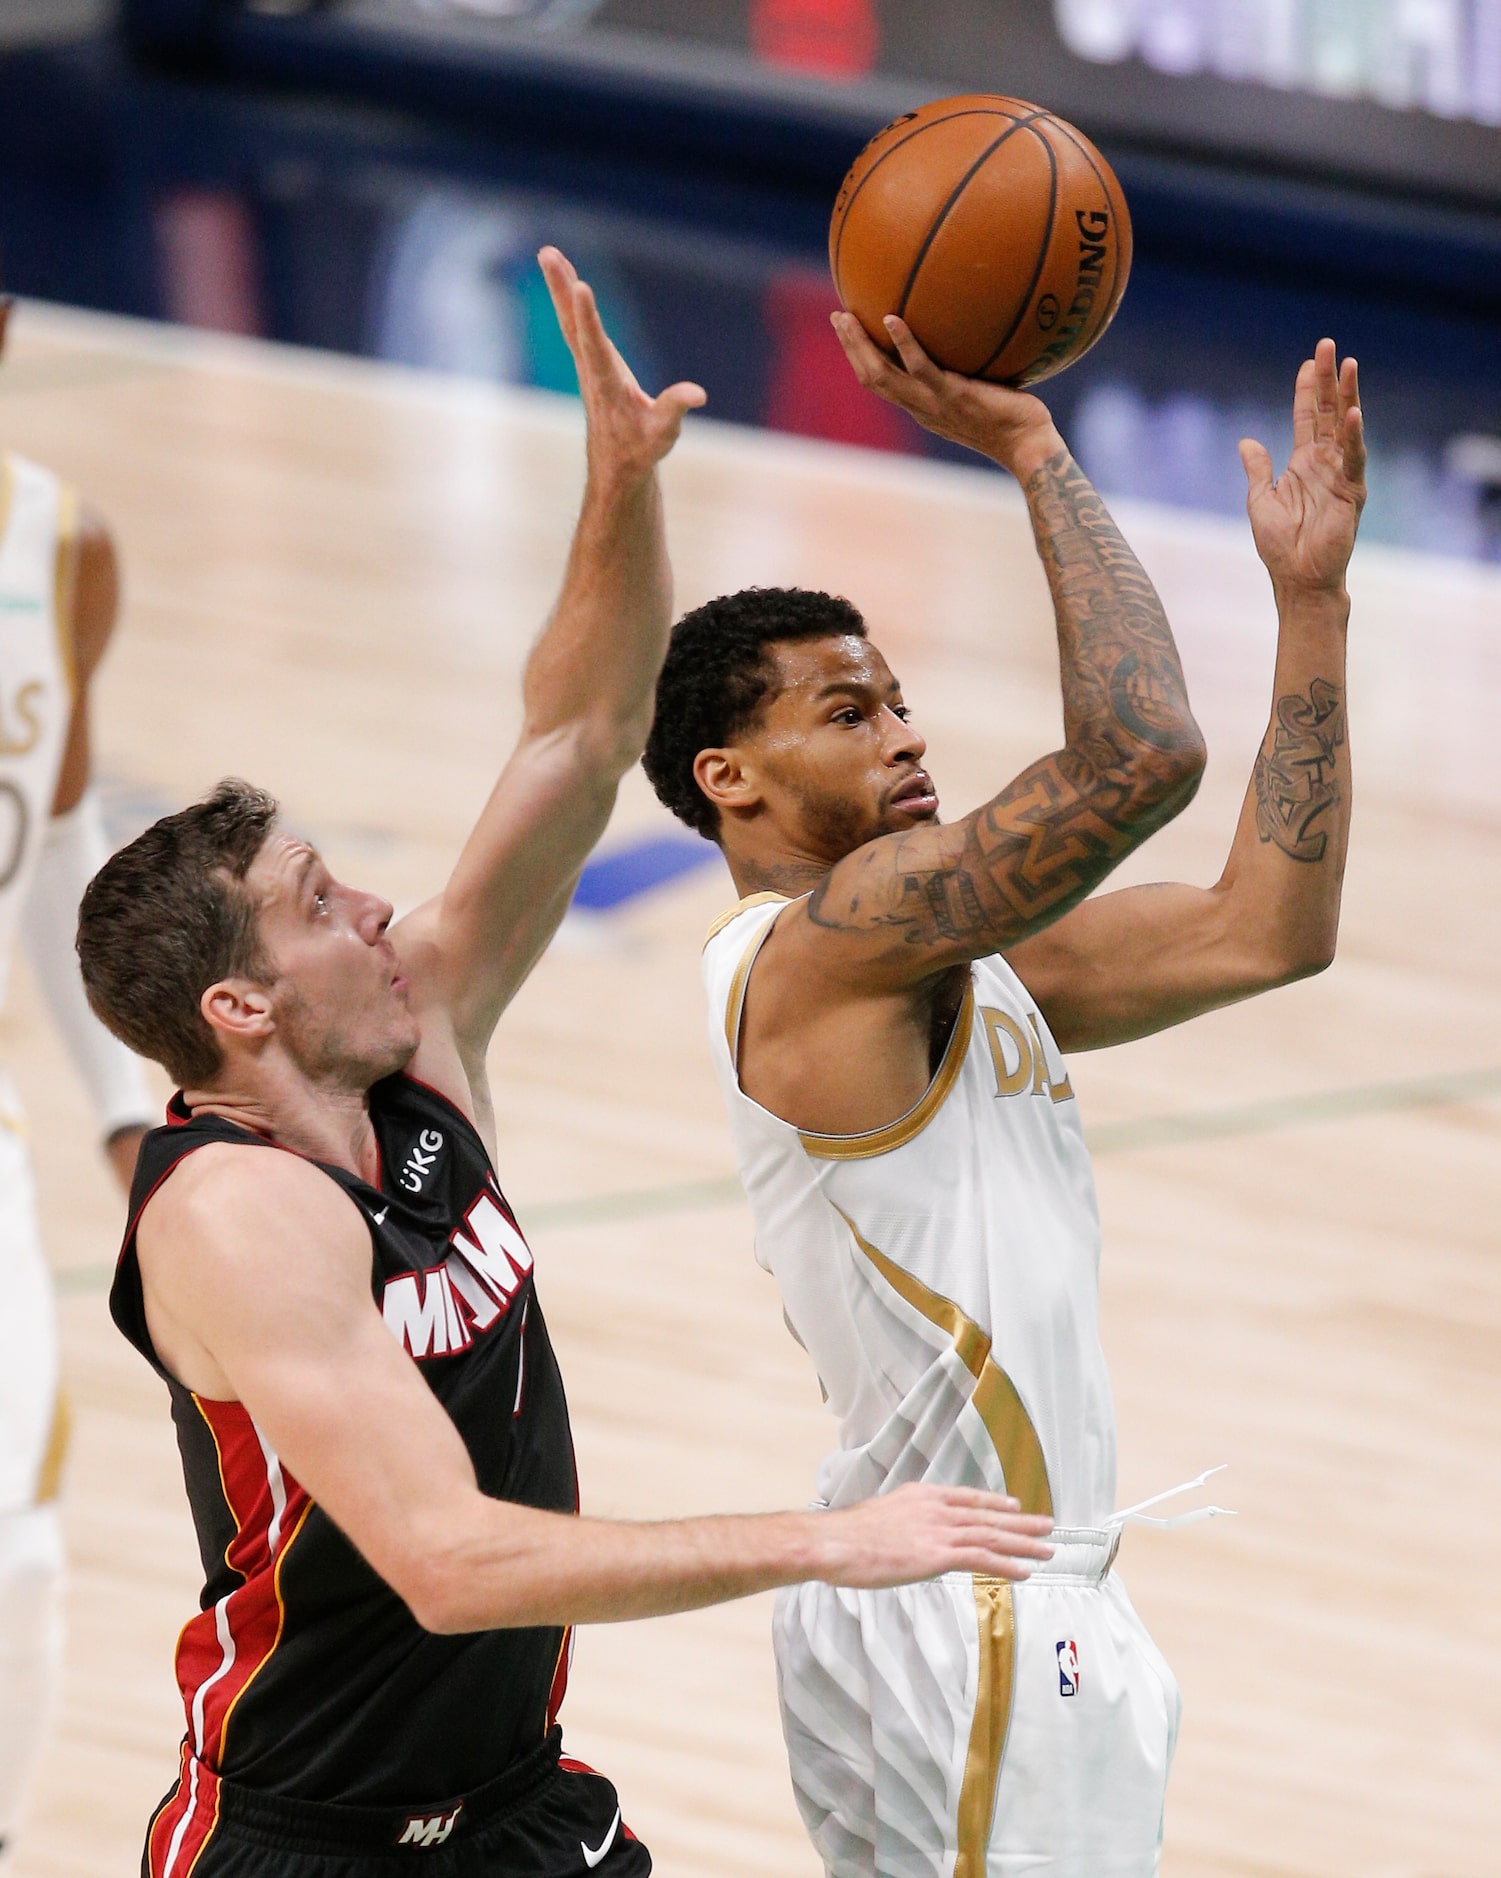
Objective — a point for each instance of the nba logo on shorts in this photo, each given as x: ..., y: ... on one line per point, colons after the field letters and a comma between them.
x: 1068, y: 1668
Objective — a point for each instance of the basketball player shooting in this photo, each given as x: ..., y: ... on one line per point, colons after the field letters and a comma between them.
x: 889, y: 1009
x: 321, y: 1265
x: 58, y: 592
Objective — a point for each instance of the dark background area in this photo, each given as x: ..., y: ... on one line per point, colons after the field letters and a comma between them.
x: 180, y: 182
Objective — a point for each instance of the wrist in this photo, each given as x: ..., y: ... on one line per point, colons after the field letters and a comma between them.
x: 1027, y: 451
x: 1312, y: 600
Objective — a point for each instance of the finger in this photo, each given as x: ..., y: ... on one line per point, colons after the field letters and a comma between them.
x: 1349, y: 385
x: 1352, y: 446
x: 859, y: 348
x: 876, y: 371
x: 917, y: 362
x: 1325, y: 390
x: 1257, y: 463
x: 559, y: 273
x: 684, y: 396
x: 596, y: 350
x: 1303, y: 405
x: 978, y: 1496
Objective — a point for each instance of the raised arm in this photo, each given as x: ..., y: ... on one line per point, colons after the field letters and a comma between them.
x: 905, y: 906
x: 586, y: 697
x: 300, y: 1342
x: 1133, y: 962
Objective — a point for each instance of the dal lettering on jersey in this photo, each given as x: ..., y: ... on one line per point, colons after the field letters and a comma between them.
x: 1021, y: 1063
x: 438, y: 1311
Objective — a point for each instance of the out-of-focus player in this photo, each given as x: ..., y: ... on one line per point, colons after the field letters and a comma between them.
x: 57, y: 611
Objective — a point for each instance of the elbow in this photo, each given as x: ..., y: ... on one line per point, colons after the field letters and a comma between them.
x: 437, y: 1591
x: 1170, y: 775
x: 1304, y: 962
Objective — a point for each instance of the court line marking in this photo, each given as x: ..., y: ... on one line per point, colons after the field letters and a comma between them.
x: 1149, y: 1131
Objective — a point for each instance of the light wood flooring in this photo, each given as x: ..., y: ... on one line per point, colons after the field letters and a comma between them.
x: 333, y: 572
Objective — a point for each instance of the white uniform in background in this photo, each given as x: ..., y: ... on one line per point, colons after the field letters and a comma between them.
x: 45, y: 861
x: 942, y: 1273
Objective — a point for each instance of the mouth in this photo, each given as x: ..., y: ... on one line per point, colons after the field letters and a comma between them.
x: 915, y: 797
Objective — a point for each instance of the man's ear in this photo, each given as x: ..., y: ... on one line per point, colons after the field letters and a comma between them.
x: 238, y: 1011
x: 728, y: 778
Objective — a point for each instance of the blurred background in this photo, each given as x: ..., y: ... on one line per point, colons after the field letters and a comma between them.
x: 374, y: 176
x: 333, y: 573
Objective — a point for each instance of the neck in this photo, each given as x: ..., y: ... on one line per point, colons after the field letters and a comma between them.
x: 329, y: 1125
x: 780, y: 873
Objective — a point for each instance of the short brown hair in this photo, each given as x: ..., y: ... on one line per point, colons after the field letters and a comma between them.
x: 167, y: 917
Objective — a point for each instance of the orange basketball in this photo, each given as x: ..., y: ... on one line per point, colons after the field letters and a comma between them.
x: 994, y: 229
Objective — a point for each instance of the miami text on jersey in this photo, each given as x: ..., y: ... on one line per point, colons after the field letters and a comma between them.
x: 437, y: 1312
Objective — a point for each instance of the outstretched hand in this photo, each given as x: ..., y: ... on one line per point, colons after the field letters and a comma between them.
x: 1304, y: 520
x: 995, y: 420
x: 629, y: 432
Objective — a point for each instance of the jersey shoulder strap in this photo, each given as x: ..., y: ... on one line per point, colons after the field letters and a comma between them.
x: 729, y: 953
x: 162, y: 1151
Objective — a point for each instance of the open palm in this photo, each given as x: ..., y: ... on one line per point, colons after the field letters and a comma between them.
x: 628, y: 429
x: 1304, y: 520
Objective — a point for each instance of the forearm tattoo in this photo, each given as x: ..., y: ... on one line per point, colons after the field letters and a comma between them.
x: 1131, y: 761
x: 1297, y: 780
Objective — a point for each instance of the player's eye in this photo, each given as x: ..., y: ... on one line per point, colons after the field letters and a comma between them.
x: 320, y: 902
x: 849, y: 715
x: 903, y: 711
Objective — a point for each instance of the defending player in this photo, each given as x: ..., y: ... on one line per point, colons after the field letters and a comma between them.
x: 384, y: 1486
x: 57, y: 611
x: 888, y: 1012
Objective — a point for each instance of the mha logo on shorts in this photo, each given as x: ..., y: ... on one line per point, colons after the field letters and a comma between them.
x: 1068, y: 1667
x: 428, y: 1829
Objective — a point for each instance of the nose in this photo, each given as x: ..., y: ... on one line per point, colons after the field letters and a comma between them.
x: 376, y: 917
x: 904, y: 742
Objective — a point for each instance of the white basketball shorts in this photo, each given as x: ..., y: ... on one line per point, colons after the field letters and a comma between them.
x: 971, y: 1728
x: 30, y: 1425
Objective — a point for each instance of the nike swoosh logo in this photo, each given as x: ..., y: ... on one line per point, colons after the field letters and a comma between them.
x: 380, y: 1217
x: 591, y: 1859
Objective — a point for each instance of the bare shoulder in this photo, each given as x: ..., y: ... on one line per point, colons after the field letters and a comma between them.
x: 231, y: 1209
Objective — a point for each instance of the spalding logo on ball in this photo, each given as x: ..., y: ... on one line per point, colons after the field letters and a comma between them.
x: 994, y: 229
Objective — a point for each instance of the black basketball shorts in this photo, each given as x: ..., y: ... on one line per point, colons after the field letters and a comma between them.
x: 546, y: 1817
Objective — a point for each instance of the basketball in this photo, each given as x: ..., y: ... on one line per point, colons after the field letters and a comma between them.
x: 994, y: 229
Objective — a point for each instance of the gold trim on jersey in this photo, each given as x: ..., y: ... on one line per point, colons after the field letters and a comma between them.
x: 49, y: 1480
x: 994, y: 1689
x: 898, y: 1133
x: 735, y: 1002
x: 65, y: 584
x: 995, y: 1397
x: 740, y: 906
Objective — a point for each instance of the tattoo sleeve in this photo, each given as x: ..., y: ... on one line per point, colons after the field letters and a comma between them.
x: 1297, y: 780
x: 1131, y: 761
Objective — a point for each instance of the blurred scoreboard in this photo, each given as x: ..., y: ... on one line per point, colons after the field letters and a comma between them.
x: 1398, y: 95
x: 1394, y: 92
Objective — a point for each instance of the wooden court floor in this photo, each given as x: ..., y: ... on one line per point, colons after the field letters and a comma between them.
x: 332, y: 574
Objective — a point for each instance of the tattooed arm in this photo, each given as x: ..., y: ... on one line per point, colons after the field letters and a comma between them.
x: 905, y: 906
x: 1133, y: 962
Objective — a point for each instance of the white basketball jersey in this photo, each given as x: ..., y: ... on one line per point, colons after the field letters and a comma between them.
x: 37, y: 522
x: 942, y: 1272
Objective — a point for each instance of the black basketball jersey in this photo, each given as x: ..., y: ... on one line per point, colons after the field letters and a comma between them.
x: 304, y: 1674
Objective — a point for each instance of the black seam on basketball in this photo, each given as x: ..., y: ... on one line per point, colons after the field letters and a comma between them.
x: 947, y: 209
x: 1115, y: 263
x: 901, y: 144
x: 1042, y: 253
x: 958, y: 190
